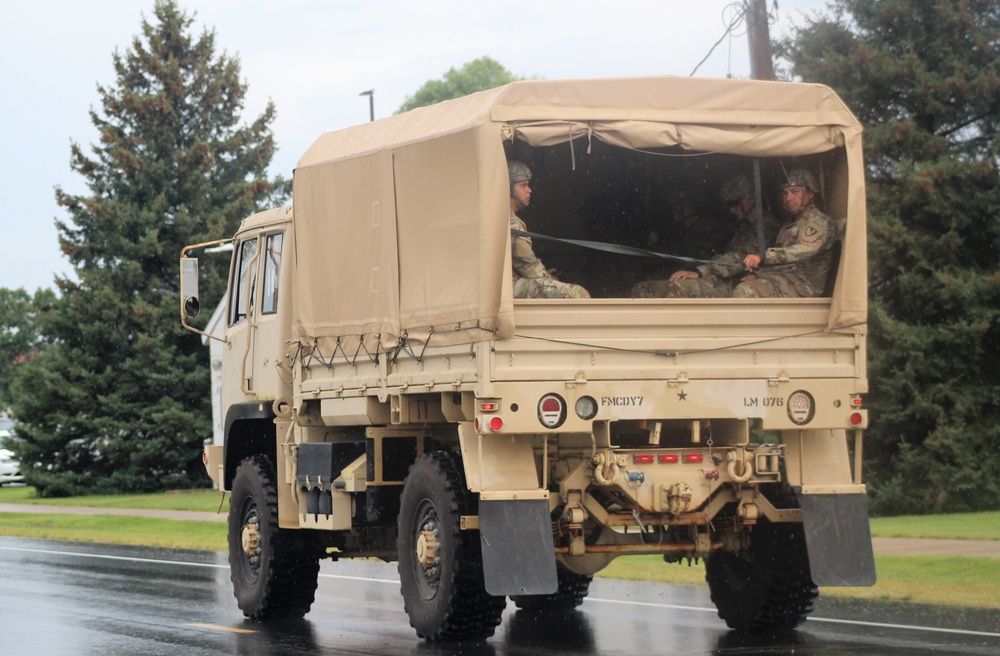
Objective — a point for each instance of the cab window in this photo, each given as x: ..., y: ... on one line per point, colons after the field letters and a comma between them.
x: 272, y: 268
x: 241, y: 295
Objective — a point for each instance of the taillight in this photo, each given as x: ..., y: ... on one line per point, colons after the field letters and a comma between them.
x: 643, y: 459
x: 693, y: 458
x: 495, y: 424
x: 800, y: 407
x: 552, y: 411
x: 668, y: 458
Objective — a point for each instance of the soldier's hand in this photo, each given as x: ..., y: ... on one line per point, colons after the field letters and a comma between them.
x: 683, y: 275
x: 748, y: 277
x: 751, y: 261
x: 552, y: 273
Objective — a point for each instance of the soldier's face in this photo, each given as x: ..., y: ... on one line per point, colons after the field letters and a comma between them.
x: 522, y: 192
x: 742, y: 209
x: 795, y: 198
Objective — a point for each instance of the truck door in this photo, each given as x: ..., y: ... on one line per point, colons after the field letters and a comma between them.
x: 267, y: 324
x: 238, y: 379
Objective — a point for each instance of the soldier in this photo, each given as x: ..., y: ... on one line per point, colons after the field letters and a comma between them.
x: 798, y: 263
x: 716, y: 280
x: 693, y: 233
x: 531, y: 279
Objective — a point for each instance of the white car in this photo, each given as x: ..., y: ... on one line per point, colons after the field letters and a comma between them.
x: 10, y: 469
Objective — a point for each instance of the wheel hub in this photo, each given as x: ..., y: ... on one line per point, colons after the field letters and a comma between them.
x: 427, y: 549
x: 250, y: 538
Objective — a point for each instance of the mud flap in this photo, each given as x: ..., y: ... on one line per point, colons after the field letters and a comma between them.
x: 518, y: 552
x: 838, y: 539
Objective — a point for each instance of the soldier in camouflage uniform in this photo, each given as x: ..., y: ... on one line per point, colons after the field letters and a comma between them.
x: 531, y: 279
x: 692, y: 233
x: 798, y: 264
x: 716, y: 280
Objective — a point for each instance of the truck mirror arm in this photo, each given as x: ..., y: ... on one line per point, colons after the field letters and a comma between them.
x: 189, y: 297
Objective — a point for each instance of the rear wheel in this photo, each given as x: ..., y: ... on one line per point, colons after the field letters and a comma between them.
x: 573, y: 588
x: 274, y: 571
x: 767, y: 588
x: 440, y: 565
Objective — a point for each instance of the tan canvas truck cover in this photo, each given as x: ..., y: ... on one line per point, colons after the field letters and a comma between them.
x: 414, y: 207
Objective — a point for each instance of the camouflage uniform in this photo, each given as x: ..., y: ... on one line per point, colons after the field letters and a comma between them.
x: 710, y: 287
x: 530, y: 279
x: 716, y: 281
x: 700, y: 239
x: 792, y: 268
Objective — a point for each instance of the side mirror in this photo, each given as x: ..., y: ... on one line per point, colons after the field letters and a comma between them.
x: 191, y: 304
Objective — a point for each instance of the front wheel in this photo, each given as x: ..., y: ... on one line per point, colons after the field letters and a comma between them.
x: 274, y: 571
x: 440, y: 565
x: 767, y: 588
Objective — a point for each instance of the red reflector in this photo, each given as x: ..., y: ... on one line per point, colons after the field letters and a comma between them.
x: 693, y: 457
x: 642, y: 459
x: 204, y: 457
x: 496, y: 423
x: 855, y: 419
x: 551, y: 405
x: 489, y: 407
x: 668, y: 457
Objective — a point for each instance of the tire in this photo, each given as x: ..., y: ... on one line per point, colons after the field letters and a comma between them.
x: 276, y: 573
x: 767, y: 588
x: 444, y: 596
x: 573, y: 588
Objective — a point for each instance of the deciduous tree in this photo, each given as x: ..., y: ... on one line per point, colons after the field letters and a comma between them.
x: 477, y: 75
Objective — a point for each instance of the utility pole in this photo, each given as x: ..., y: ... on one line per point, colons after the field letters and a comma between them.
x: 761, y: 66
x: 371, y: 101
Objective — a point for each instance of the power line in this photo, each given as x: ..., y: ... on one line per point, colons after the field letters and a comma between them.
x: 739, y: 12
x: 738, y: 17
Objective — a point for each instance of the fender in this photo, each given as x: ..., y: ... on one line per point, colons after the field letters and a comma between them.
x: 249, y: 431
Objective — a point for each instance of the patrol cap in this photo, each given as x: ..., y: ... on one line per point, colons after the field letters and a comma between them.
x: 799, y: 178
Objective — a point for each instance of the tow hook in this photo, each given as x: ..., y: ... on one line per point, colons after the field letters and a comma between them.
x: 739, y: 468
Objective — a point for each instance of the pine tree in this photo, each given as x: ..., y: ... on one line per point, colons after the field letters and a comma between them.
x: 120, y: 400
x: 924, y: 79
x: 20, y: 334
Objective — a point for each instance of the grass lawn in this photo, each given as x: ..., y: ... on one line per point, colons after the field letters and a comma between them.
x: 117, y: 529
x: 198, y: 500
x: 959, y: 526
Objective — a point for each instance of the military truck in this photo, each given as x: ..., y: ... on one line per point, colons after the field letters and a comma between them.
x: 387, y: 397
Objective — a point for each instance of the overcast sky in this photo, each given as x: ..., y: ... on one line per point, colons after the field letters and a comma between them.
x: 313, y: 58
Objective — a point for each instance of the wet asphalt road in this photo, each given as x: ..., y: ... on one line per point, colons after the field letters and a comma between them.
x: 67, y: 598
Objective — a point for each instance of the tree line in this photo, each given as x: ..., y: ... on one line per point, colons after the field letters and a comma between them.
x: 109, y: 393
